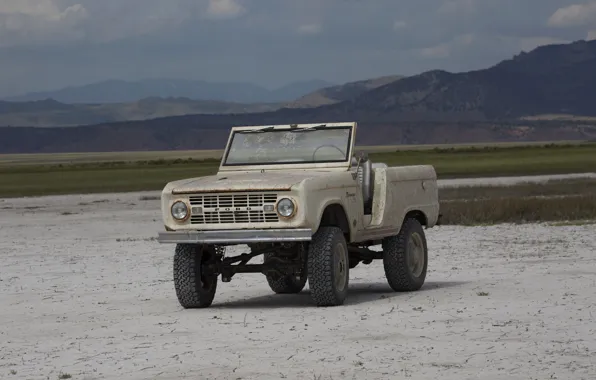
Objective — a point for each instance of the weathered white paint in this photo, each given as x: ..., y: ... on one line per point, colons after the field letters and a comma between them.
x: 313, y: 187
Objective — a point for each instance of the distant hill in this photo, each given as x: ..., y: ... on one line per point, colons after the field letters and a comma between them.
x: 552, y: 79
x: 185, y: 134
x: 48, y: 113
x: 340, y: 93
x: 295, y: 90
x: 51, y: 113
x: 519, y: 99
x: 119, y: 91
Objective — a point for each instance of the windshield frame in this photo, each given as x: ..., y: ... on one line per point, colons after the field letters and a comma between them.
x: 343, y: 164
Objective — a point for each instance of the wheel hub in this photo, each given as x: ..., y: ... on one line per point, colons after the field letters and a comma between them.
x: 415, y: 254
x: 340, y: 267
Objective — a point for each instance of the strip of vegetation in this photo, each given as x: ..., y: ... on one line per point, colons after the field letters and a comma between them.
x: 88, y: 181
x: 78, y: 166
x: 121, y: 176
x: 554, y: 201
x: 548, y: 189
x: 519, y: 210
x: 499, y: 161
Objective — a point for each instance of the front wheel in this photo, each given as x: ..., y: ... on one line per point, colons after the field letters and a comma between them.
x: 405, y: 257
x: 328, y: 267
x: 195, y: 285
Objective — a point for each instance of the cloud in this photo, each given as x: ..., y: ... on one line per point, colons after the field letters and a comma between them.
x: 445, y: 49
x: 309, y: 29
x: 55, y: 43
x: 574, y: 15
x: 591, y: 35
x: 458, y: 7
x: 399, y: 24
x: 114, y: 20
x: 39, y: 21
x: 224, y: 9
x: 437, y: 51
x: 40, y: 9
x: 27, y: 22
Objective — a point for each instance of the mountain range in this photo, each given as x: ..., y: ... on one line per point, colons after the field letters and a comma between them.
x: 52, y: 113
x: 548, y: 93
x: 120, y: 91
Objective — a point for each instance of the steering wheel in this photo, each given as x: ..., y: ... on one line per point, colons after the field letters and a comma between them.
x: 329, y: 146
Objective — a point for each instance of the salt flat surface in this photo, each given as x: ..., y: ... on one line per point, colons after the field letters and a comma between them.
x: 85, y: 290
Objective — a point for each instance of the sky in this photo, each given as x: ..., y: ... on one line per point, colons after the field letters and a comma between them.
x: 50, y: 44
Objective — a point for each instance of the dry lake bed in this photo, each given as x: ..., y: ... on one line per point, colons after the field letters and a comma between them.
x: 86, y: 291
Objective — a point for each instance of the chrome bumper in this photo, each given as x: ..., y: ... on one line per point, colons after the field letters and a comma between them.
x: 236, y: 236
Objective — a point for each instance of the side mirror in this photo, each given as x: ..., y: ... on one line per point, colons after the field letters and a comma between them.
x: 361, y: 156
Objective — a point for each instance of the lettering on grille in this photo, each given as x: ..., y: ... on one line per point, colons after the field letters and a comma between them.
x: 234, y: 208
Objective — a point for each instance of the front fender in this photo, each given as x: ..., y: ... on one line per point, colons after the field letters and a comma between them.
x: 318, y: 216
x: 321, y: 192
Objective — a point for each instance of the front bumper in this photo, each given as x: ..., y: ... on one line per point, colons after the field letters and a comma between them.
x: 236, y: 236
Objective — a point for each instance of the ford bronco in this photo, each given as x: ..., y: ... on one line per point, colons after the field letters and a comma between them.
x: 299, y: 196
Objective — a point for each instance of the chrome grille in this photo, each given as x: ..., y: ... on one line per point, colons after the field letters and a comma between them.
x: 233, y: 208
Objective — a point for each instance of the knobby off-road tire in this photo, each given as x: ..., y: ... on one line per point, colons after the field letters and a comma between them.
x: 194, y: 289
x: 328, y: 267
x: 405, y: 257
x: 286, y: 284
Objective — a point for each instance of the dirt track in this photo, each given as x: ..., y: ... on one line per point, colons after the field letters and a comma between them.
x: 91, y: 294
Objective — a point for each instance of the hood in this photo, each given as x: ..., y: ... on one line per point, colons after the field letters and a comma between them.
x: 224, y: 182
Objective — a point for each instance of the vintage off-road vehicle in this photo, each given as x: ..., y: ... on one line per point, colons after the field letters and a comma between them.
x: 298, y: 195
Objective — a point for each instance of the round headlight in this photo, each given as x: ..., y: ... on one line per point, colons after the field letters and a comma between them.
x: 179, y: 210
x: 285, y: 207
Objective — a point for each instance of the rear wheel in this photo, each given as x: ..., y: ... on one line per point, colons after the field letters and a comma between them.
x: 288, y: 284
x: 328, y: 267
x: 195, y: 285
x: 405, y: 257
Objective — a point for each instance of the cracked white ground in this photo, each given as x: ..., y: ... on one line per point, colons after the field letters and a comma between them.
x: 91, y: 294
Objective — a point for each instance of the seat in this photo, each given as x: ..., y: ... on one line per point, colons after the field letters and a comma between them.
x: 365, y: 178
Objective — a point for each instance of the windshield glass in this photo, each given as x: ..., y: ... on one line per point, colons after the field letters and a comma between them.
x: 314, y: 145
